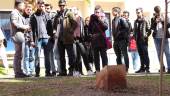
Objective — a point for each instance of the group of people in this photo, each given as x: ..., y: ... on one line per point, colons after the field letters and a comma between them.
x: 136, y: 39
x: 55, y: 32
x: 66, y: 31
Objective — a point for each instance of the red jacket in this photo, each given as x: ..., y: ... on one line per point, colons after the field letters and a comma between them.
x: 132, y: 44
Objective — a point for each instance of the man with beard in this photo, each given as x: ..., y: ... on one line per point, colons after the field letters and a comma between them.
x: 39, y: 27
x: 141, y: 33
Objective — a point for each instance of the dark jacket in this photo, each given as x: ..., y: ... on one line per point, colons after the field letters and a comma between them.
x: 33, y: 23
x: 87, y: 35
x: 154, y: 24
x: 120, y: 29
x: 142, y: 29
x: 130, y: 30
x: 68, y: 25
x: 97, y: 28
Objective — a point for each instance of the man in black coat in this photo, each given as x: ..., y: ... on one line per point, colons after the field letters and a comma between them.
x: 97, y: 27
x: 120, y: 31
x: 141, y: 33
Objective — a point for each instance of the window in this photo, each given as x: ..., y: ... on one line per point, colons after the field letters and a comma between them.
x: 6, y: 28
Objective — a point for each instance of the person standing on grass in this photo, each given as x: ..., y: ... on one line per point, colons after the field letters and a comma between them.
x: 52, y: 48
x: 64, y: 25
x: 3, y: 55
x: 87, y: 42
x: 97, y: 27
x: 132, y: 47
x: 120, y: 32
x: 141, y: 33
x: 28, y: 55
x: 39, y: 27
x: 18, y: 25
x: 79, y: 47
x: 157, y: 25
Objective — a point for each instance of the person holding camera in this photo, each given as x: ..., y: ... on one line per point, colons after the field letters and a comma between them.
x: 97, y: 27
x: 157, y: 26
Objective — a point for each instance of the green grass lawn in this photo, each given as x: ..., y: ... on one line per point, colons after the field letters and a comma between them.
x: 146, y: 85
x: 6, y: 73
x: 2, y: 71
x: 84, y: 86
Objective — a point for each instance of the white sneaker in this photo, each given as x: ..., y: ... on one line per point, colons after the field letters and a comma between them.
x: 91, y: 65
x: 90, y: 73
x: 76, y: 74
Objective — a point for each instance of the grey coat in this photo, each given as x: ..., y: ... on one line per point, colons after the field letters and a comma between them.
x: 17, y: 22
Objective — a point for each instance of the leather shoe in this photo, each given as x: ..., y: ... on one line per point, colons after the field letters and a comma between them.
x: 140, y: 71
x: 21, y: 75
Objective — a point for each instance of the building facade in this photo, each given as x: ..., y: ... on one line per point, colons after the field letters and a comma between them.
x: 87, y: 8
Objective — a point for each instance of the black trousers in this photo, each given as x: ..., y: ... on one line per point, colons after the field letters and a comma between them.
x: 90, y: 54
x: 80, y: 51
x: 71, y: 57
x: 98, y: 51
x: 120, y: 48
x: 143, y: 53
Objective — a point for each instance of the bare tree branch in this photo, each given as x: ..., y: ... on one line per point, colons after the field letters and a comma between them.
x: 168, y: 2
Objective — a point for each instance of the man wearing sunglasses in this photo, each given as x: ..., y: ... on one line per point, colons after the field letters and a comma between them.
x: 64, y: 26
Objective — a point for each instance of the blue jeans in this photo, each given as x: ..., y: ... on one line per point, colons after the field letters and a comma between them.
x: 42, y: 43
x: 135, y: 59
x: 29, y: 64
x: 166, y: 50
